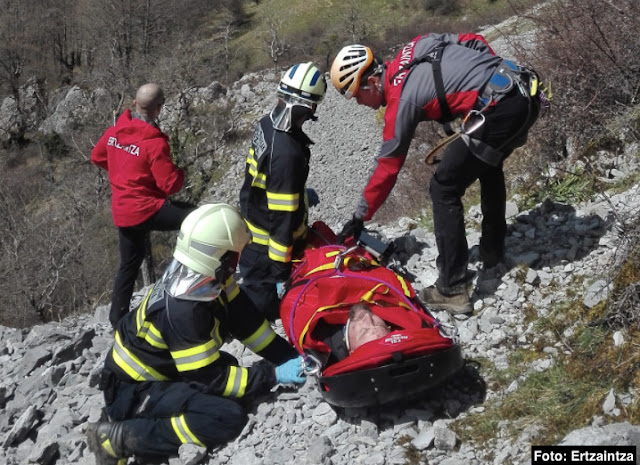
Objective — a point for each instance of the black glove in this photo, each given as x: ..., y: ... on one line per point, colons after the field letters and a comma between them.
x: 312, y: 197
x: 353, y: 228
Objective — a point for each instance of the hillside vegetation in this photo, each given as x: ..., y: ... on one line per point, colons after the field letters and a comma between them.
x: 59, y: 246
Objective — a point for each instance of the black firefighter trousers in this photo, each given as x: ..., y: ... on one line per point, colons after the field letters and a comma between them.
x: 458, y: 169
x: 132, y: 249
x: 258, y: 281
x: 158, y: 417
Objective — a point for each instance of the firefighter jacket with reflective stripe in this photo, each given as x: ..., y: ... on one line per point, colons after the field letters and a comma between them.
x: 273, y: 196
x: 167, y: 339
x: 467, y: 65
x: 141, y: 172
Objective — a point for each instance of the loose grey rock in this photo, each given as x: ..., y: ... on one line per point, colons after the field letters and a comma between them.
x: 444, y: 438
x: 424, y: 439
x: 596, y: 293
x: 320, y: 450
x: 23, y: 427
x: 190, y: 454
x: 324, y: 415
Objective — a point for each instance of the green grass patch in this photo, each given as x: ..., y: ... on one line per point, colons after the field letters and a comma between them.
x: 571, y: 188
x: 555, y: 399
x: 352, y: 21
x: 569, y: 394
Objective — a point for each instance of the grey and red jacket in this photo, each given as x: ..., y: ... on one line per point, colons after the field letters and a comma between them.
x: 468, y: 63
x: 142, y: 175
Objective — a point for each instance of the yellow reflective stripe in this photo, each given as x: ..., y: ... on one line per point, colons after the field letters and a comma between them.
x: 153, y: 336
x: 196, y: 357
x: 533, y: 87
x: 144, y: 327
x: 258, y: 235
x: 259, y: 179
x: 131, y: 365
x: 141, y: 313
x: 405, y: 288
x: 279, y: 252
x: 261, y: 338
x: 106, y: 445
x: 231, y: 288
x: 237, y: 382
x: 283, y: 202
x: 183, y: 432
x: 251, y: 159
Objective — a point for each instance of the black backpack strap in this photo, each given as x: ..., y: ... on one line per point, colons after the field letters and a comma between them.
x: 447, y: 117
x: 434, y: 57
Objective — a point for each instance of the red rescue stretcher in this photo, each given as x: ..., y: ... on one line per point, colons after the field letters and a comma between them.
x: 418, y: 354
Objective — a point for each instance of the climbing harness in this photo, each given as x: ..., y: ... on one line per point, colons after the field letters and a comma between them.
x: 507, y: 76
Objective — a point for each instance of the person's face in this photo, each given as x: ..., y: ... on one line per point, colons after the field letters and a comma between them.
x: 369, y: 94
x: 365, y: 327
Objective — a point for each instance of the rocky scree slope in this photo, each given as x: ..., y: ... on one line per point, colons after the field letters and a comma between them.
x: 49, y: 373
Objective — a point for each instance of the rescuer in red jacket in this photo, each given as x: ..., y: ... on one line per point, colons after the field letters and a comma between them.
x: 137, y: 156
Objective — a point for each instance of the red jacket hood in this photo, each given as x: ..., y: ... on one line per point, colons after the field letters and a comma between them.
x: 130, y: 130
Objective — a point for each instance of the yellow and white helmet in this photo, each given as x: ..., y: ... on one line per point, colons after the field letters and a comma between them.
x: 348, y: 68
x: 305, y: 81
x: 207, y: 251
x: 300, y: 90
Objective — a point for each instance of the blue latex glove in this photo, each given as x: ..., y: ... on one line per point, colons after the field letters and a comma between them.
x: 312, y: 197
x: 290, y: 372
x: 281, y: 288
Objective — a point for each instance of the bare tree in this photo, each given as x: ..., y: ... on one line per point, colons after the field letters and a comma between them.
x: 274, y: 39
x: 16, y: 54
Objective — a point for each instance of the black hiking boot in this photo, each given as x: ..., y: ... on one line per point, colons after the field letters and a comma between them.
x: 105, y: 441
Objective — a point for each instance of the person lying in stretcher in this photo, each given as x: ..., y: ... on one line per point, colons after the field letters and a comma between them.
x: 362, y: 326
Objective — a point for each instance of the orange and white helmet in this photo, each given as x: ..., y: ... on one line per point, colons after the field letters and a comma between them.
x: 349, y: 66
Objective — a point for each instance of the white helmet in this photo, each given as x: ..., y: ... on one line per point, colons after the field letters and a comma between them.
x: 348, y: 68
x: 301, y: 88
x: 304, y: 80
x: 206, y: 254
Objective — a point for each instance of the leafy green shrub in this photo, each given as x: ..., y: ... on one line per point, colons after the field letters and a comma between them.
x: 571, y: 188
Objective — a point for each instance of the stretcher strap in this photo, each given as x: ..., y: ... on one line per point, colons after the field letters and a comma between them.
x: 404, y: 298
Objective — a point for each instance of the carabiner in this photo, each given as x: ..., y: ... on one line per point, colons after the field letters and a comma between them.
x: 337, y: 263
x: 474, y: 124
x: 311, y: 366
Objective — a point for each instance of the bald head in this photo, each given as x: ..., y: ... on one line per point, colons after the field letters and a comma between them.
x: 149, y: 100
